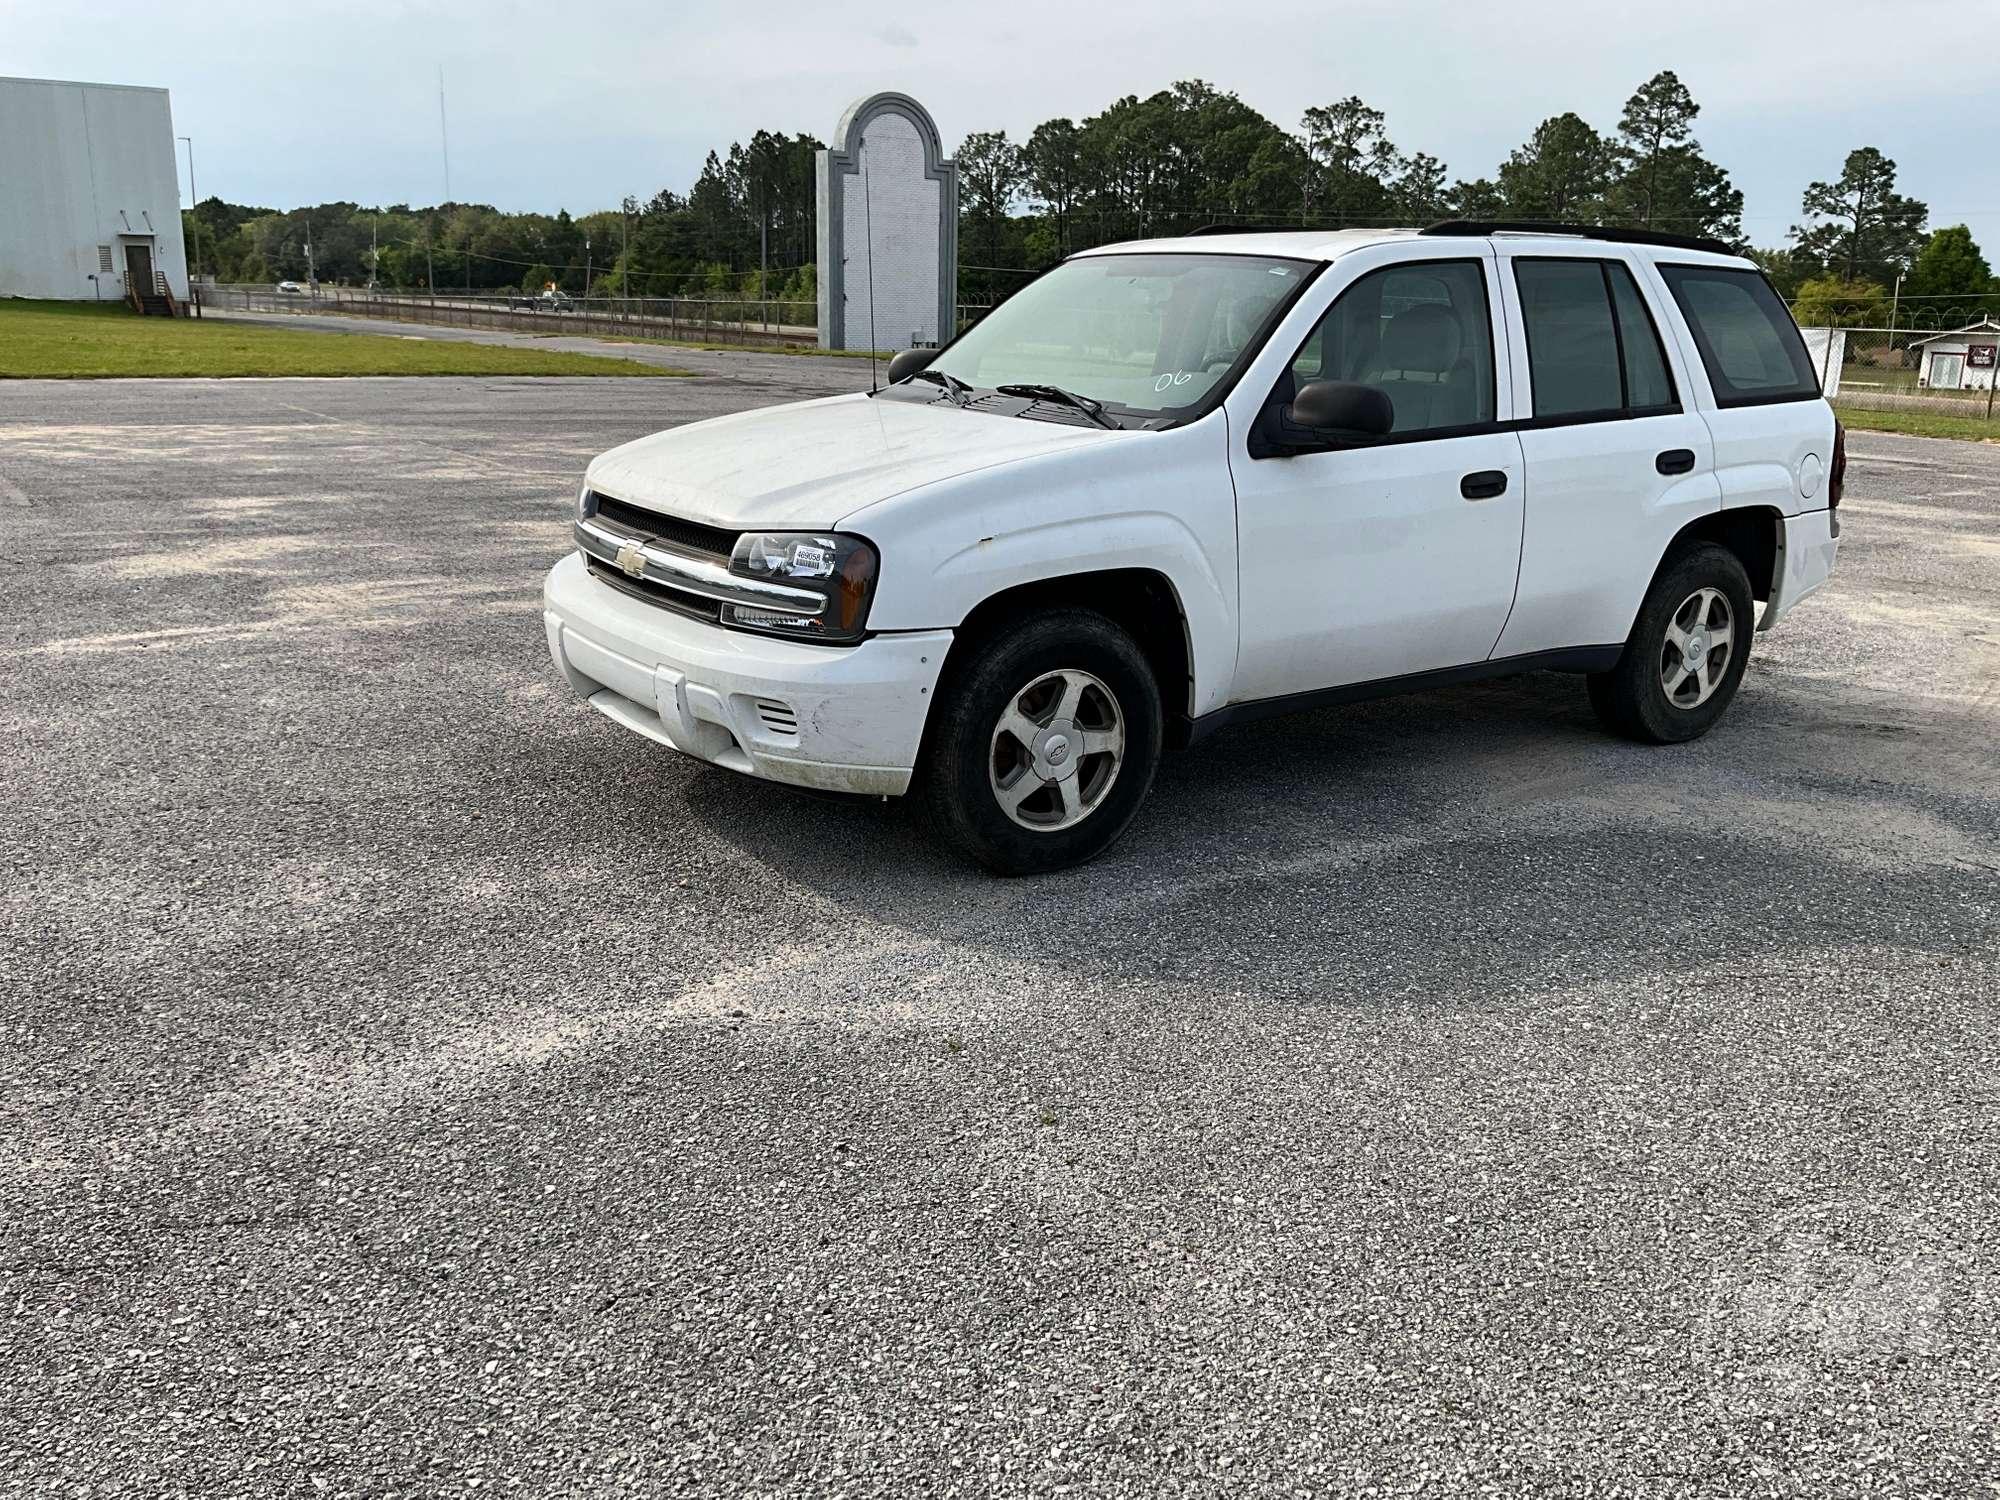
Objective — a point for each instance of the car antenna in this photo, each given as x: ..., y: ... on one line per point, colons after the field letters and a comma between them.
x: 868, y: 232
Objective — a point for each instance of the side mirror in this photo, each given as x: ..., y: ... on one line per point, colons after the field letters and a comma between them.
x: 906, y: 364
x: 1341, y: 406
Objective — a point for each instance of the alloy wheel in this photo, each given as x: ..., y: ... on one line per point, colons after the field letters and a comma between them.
x: 1694, y: 658
x: 1056, y: 750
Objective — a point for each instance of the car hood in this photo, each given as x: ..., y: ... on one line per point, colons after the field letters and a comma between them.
x: 811, y: 463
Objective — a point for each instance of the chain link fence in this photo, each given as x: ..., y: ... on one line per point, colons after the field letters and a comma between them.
x: 1948, y: 373
x: 687, y: 319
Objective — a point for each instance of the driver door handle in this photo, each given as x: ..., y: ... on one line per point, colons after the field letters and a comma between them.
x: 1675, y: 461
x: 1483, y: 485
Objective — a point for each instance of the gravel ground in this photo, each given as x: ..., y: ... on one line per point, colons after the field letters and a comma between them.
x: 414, y: 1085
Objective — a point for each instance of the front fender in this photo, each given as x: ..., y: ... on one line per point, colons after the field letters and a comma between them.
x: 1162, y: 502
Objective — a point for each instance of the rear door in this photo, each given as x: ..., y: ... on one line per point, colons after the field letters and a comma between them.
x: 1773, y: 430
x: 1618, y: 459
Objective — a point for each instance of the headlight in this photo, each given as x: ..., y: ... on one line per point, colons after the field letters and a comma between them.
x: 586, y: 502
x: 839, y: 568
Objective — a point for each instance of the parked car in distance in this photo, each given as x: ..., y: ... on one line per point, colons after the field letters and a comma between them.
x: 1178, y: 484
x: 544, y: 301
x: 291, y: 289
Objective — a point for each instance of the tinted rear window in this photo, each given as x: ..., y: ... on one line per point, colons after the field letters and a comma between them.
x: 1748, y: 341
x: 1648, y: 386
x: 1572, y: 343
x: 1592, y: 347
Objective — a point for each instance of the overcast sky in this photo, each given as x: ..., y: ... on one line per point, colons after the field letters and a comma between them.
x: 575, y: 106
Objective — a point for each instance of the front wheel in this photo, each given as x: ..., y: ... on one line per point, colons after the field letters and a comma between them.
x: 1045, y: 743
x: 1686, y: 654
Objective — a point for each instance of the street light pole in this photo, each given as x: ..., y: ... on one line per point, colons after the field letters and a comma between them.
x: 1894, y: 298
x: 194, y: 199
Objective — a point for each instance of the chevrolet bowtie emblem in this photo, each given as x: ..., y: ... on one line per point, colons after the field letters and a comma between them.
x: 632, y: 560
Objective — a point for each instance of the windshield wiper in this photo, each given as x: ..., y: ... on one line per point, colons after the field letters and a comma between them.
x: 1092, y: 409
x: 953, y: 387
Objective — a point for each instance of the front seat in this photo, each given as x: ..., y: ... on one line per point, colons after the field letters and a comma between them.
x: 1419, y: 365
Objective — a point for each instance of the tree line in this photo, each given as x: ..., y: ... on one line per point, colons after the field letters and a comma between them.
x: 1187, y: 157
x: 745, y: 229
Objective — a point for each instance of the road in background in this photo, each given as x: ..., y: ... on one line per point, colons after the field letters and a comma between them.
x: 411, y: 1079
x: 775, y: 376
x: 709, y: 320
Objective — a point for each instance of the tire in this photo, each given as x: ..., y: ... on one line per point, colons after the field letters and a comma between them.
x: 1015, y: 726
x: 1652, y: 695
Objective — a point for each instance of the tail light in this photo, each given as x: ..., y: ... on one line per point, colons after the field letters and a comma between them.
x: 1836, y: 476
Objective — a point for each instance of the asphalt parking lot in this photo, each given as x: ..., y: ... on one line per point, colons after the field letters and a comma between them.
x: 414, y: 1085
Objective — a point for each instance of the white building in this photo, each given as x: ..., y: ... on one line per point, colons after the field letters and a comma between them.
x: 89, y: 198
x: 1962, y: 360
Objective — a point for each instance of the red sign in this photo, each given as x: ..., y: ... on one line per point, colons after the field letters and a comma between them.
x: 1980, y: 356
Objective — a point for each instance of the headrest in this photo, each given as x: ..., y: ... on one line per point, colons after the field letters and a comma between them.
x: 1426, y: 337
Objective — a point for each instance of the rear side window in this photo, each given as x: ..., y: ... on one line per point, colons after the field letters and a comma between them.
x: 1748, y: 341
x: 1592, y: 347
x: 1648, y: 386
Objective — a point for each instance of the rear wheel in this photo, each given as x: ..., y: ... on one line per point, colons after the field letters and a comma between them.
x: 1687, y: 652
x: 1045, y: 744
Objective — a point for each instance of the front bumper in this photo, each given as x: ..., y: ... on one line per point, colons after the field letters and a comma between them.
x: 837, y: 718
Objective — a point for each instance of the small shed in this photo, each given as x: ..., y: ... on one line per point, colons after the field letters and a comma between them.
x: 1963, y: 359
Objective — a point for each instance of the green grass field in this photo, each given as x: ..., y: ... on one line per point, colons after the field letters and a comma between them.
x: 1919, y: 423
x: 84, y: 340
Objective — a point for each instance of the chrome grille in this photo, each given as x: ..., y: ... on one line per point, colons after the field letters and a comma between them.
x: 680, y: 602
x: 688, y: 536
x: 698, y: 584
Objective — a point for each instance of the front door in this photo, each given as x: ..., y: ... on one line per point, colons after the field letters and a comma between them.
x: 1947, y: 370
x: 1381, y: 558
x: 139, y: 269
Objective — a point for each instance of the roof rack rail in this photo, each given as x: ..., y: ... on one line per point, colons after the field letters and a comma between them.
x: 1612, y: 233
x: 1240, y: 229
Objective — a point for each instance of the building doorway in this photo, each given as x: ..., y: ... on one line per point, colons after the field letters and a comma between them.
x: 139, y: 268
x: 1946, y: 370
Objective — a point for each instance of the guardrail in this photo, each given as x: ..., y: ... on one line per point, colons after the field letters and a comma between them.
x: 685, y: 319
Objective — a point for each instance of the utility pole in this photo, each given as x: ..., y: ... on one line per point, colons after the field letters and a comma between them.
x: 374, y: 256
x: 430, y: 270
x: 586, y: 266
x: 195, y: 203
x: 312, y: 269
x: 444, y: 136
x: 625, y: 275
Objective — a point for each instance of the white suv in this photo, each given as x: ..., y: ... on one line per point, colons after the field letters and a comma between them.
x: 1176, y: 484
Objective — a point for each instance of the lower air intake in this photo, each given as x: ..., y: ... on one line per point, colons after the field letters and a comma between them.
x: 779, y: 718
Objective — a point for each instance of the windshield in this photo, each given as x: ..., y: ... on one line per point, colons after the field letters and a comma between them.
x: 1147, y: 335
